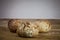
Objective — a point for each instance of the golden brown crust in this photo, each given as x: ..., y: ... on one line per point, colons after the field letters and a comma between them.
x: 43, y: 26
x: 27, y: 30
x: 13, y: 24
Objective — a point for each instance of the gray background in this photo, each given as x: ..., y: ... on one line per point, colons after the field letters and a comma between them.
x: 36, y: 9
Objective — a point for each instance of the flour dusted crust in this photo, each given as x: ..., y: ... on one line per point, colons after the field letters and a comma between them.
x: 27, y: 30
x: 13, y: 24
x: 43, y: 26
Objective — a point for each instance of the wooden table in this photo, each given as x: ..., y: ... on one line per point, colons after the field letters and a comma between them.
x: 54, y: 34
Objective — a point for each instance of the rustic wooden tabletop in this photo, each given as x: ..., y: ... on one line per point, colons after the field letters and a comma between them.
x: 54, y: 34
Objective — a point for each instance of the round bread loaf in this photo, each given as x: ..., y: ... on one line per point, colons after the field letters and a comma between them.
x: 43, y: 26
x: 26, y: 30
x: 13, y: 24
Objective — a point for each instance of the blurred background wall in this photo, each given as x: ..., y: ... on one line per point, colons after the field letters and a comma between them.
x: 37, y: 9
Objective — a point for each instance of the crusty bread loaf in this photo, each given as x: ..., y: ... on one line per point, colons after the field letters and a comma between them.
x: 26, y: 30
x: 13, y: 24
x: 43, y: 26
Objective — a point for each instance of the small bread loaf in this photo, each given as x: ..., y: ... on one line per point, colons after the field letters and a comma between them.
x: 43, y: 26
x: 26, y: 30
x: 13, y: 24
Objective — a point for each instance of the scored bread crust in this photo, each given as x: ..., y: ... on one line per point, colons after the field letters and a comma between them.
x: 26, y: 30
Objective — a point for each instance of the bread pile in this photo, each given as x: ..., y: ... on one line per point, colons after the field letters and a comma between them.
x: 27, y: 28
